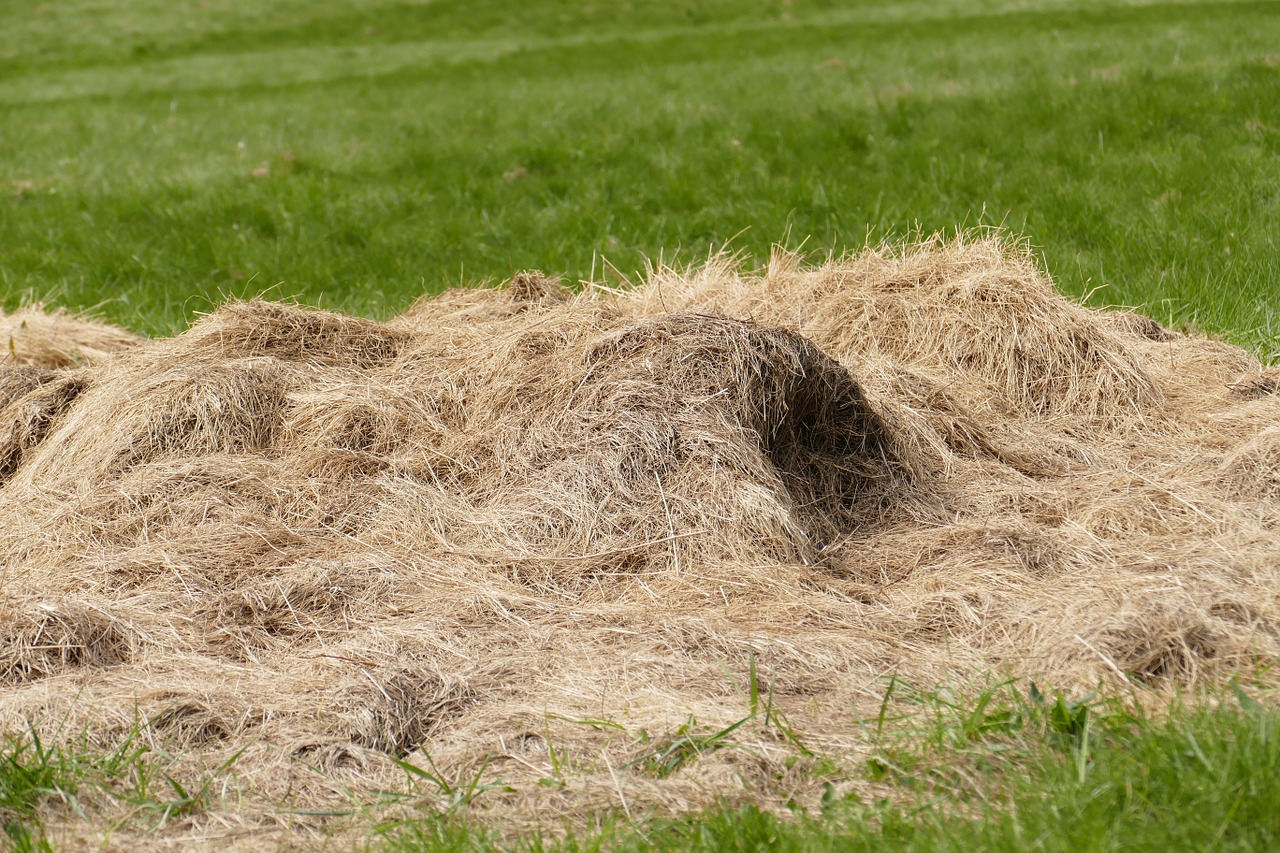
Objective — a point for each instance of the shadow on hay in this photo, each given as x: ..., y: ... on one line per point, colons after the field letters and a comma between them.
x: 795, y: 416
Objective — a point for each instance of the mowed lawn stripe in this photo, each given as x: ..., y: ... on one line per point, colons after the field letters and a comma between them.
x: 883, y: 35
x: 76, y: 33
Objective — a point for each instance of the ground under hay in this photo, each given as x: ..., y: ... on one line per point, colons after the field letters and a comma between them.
x: 332, y: 543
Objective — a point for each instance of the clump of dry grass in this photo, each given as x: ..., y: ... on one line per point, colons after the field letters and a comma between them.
x: 55, y: 338
x: 339, y: 542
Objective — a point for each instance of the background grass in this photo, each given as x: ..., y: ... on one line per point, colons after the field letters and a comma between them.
x: 403, y: 147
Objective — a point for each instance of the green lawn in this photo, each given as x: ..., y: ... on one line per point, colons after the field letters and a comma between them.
x: 157, y: 157
x: 405, y: 147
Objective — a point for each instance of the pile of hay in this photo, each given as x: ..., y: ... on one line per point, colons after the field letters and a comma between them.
x: 331, y: 543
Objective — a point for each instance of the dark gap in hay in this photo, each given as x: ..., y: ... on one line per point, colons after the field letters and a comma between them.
x: 1258, y: 389
x: 828, y: 443
x: 191, y: 721
x: 716, y: 387
x: 333, y: 754
x: 18, y: 380
x: 395, y: 711
x: 1141, y: 326
x: 1166, y: 645
x: 30, y: 402
x: 311, y: 599
x: 44, y: 639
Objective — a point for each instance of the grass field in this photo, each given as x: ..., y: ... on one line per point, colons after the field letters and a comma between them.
x: 156, y: 158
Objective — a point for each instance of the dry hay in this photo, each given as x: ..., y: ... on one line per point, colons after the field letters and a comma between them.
x: 54, y: 338
x: 332, y: 542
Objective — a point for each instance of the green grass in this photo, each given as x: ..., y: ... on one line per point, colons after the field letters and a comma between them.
x: 412, y: 146
x: 1001, y: 771
x: 129, y: 785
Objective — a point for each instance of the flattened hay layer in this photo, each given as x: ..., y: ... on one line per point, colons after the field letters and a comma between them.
x: 332, y: 543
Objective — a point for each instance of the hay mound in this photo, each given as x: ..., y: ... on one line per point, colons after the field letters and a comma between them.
x: 51, y: 339
x: 338, y: 542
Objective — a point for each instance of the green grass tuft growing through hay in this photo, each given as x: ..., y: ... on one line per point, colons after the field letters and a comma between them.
x: 38, y: 779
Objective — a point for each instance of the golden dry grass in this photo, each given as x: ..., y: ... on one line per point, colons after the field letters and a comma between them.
x: 332, y: 543
x: 55, y: 338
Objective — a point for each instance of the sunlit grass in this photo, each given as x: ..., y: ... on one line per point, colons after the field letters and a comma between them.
x: 302, y: 155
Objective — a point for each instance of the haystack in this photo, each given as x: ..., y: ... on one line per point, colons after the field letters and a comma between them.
x: 323, y: 544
